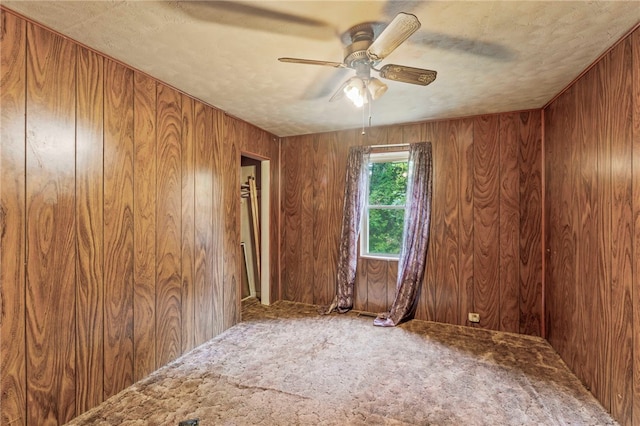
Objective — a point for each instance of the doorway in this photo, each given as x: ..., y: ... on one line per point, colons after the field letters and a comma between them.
x: 254, y: 228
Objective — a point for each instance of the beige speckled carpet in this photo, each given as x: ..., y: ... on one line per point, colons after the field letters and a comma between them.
x: 286, y: 365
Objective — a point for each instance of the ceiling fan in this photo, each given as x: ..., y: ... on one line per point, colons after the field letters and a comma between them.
x: 366, y: 45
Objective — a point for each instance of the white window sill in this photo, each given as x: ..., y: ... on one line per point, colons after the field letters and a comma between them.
x: 379, y: 257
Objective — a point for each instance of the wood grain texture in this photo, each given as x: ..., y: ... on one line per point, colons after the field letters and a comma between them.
x: 51, y: 253
x: 89, y: 218
x: 188, y: 301
x: 292, y: 218
x: 92, y: 169
x: 322, y: 289
x: 509, y: 231
x: 377, y: 285
x: 169, y: 217
x: 13, y: 409
x: 219, y: 121
x: 306, y: 228
x: 619, y: 94
x: 203, y: 244
x: 144, y: 219
x: 558, y: 278
x: 450, y: 285
x: 583, y: 172
x: 361, y: 285
x: 275, y: 236
x: 465, y: 222
x: 447, y: 291
x: 235, y: 133
x: 392, y: 279
x: 486, y: 217
x: 635, y: 66
x: 118, y: 227
x: 600, y: 304
x: 590, y: 155
x: 530, y: 226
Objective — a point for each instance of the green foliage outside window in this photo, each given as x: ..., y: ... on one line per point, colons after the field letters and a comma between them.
x: 387, y: 195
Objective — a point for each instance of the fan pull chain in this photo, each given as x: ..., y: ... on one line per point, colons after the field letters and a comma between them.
x: 363, y: 120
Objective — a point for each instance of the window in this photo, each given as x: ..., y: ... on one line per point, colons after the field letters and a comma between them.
x: 383, y: 218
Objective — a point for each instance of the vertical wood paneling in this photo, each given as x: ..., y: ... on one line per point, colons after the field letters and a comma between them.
x: 275, y: 236
x: 169, y: 217
x: 188, y: 225
x: 322, y: 289
x: 635, y: 66
x: 118, y: 227
x: 51, y: 253
x: 451, y: 285
x: 392, y: 279
x: 305, y: 152
x: 92, y: 179
x: 595, y: 301
x: 361, y: 285
x: 555, y: 155
x: 219, y: 121
x: 144, y: 218
x: 486, y: 217
x: 447, y: 291
x: 231, y: 178
x: 89, y: 219
x: 530, y: 227
x: 465, y: 223
x: 619, y: 93
x: 377, y: 285
x: 292, y: 219
x: 591, y: 180
x: 435, y: 283
x: 12, y: 219
x: 509, y: 208
x: 584, y: 174
x: 203, y: 250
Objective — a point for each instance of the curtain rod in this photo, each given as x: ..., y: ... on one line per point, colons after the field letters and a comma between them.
x: 390, y: 145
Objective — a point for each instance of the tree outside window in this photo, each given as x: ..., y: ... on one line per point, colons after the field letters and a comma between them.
x: 383, y: 220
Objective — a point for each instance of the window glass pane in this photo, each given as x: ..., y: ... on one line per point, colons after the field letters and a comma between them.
x: 388, y: 183
x: 385, y: 230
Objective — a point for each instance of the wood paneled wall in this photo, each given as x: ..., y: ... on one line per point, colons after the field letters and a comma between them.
x: 485, y: 247
x: 120, y: 195
x: 592, y: 164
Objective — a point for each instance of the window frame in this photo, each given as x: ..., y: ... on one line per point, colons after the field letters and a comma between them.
x: 378, y: 157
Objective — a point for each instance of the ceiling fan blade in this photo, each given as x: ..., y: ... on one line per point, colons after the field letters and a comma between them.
x: 400, y: 29
x: 244, y: 15
x: 407, y: 74
x: 312, y: 62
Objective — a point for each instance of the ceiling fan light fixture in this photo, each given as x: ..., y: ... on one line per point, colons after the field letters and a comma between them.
x: 376, y: 88
x: 355, y: 90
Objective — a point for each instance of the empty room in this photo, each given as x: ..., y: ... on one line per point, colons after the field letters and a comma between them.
x: 320, y: 212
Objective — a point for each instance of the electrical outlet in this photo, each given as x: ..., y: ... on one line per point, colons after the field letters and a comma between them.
x: 474, y: 317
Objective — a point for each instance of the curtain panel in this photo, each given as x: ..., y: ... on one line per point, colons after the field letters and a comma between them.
x: 354, y: 201
x: 415, y: 242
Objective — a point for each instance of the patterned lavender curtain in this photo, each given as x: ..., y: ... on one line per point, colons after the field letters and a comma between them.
x: 413, y: 255
x: 354, y: 199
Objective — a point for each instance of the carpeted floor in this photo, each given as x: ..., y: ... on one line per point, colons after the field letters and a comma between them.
x: 287, y: 365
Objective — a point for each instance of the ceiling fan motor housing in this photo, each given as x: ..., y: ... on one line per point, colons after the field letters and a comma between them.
x: 356, y: 53
x: 360, y: 36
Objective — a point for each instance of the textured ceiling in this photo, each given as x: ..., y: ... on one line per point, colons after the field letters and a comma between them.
x: 490, y: 56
